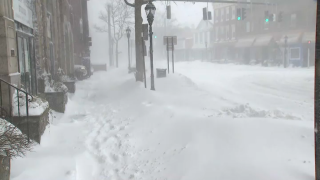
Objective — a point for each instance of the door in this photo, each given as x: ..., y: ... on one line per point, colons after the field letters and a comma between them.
x: 24, y: 63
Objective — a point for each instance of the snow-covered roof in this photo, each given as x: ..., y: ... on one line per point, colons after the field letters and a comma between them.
x: 204, y: 25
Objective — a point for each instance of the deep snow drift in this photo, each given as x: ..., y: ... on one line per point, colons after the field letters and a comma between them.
x: 207, y: 121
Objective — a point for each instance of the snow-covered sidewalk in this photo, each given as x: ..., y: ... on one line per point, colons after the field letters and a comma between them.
x: 207, y: 121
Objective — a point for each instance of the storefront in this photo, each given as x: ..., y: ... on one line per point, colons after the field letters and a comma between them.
x: 25, y: 46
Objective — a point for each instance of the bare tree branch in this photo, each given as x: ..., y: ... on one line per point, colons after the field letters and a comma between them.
x: 13, y: 143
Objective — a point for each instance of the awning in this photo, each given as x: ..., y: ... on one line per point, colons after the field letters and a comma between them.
x: 230, y: 42
x: 293, y: 38
x: 309, y: 36
x: 263, y: 40
x: 245, y: 42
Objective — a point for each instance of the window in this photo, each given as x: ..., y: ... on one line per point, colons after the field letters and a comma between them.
x: 233, y: 31
x: 212, y: 38
x: 49, y: 25
x: 227, y: 13
x: 248, y: 26
x: 295, y: 53
x: 248, y: 5
x: 81, y: 26
x: 217, y: 34
x: 222, y: 14
x: 196, y: 38
x: 233, y: 12
x: 227, y: 32
x: 293, y: 20
x: 217, y: 15
x: 222, y: 32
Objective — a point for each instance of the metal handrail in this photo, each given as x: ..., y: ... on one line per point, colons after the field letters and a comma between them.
x: 10, y: 105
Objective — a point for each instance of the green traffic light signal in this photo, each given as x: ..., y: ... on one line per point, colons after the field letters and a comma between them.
x: 267, y: 20
x: 155, y: 37
x: 239, y: 18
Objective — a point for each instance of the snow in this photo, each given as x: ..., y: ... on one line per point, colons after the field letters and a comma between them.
x: 207, y: 121
x: 36, y: 105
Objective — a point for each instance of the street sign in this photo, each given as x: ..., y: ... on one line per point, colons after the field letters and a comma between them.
x: 145, y: 31
x: 169, y: 40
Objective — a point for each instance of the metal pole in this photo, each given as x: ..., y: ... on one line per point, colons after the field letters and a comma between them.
x: 144, y: 63
x: 308, y: 57
x: 285, y: 52
x: 129, y: 66
x: 317, y: 98
x: 172, y: 56
x: 168, y: 55
x: 109, y: 37
x: 27, y: 109
x: 151, y: 59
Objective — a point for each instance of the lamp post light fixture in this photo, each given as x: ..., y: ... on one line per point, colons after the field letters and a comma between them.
x: 150, y: 11
x: 128, y: 31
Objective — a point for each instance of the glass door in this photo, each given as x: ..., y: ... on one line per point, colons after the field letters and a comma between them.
x: 24, y: 63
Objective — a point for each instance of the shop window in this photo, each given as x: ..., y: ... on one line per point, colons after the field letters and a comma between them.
x: 295, y: 53
x: 248, y: 26
x: 233, y: 31
x: 227, y: 32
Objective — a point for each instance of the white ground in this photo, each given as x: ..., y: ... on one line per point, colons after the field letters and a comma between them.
x: 207, y: 121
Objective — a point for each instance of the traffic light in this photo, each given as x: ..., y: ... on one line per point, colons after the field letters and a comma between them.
x: 155, y: 36
x: 169, y: 12
x: 205, y: 14
x: 280, y: 16
x: 244, y: 13
x: 266, y: 16
x: 209, y: 15
x: 239, y: 14
x: 271, y: 17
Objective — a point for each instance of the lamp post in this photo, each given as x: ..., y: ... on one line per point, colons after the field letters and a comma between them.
x: 285, y: 61
x: 150, y: 11
x: 128, y: 30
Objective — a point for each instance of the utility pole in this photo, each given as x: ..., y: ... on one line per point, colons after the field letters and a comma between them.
x: 109, y: 37
x: 138, y: 30
x: 317, y: 97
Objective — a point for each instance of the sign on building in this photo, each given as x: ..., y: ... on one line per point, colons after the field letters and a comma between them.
x: 22, y: 13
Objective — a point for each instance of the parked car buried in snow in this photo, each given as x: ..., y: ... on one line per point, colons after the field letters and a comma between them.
x: 80, y: 72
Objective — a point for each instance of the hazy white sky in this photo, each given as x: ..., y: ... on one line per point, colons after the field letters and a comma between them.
x: 186, y: 14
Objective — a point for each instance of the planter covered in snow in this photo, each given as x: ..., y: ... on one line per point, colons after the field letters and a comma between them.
x: 71, y: 85
x: 38, y: 117
x: 57, y: 100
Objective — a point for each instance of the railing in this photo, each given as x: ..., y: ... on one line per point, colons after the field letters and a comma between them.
x: 3, y: 111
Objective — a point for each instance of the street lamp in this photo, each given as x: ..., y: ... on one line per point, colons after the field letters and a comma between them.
x: 285, y: 61
x: 150, y: 11
x: 128, y: 30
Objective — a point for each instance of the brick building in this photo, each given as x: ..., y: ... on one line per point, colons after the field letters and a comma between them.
x: 253, y: 38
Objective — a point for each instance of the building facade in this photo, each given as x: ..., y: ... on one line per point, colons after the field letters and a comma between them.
x: 261, y: 38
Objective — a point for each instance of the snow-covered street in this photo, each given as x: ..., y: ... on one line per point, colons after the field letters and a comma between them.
x: 207, y: 121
